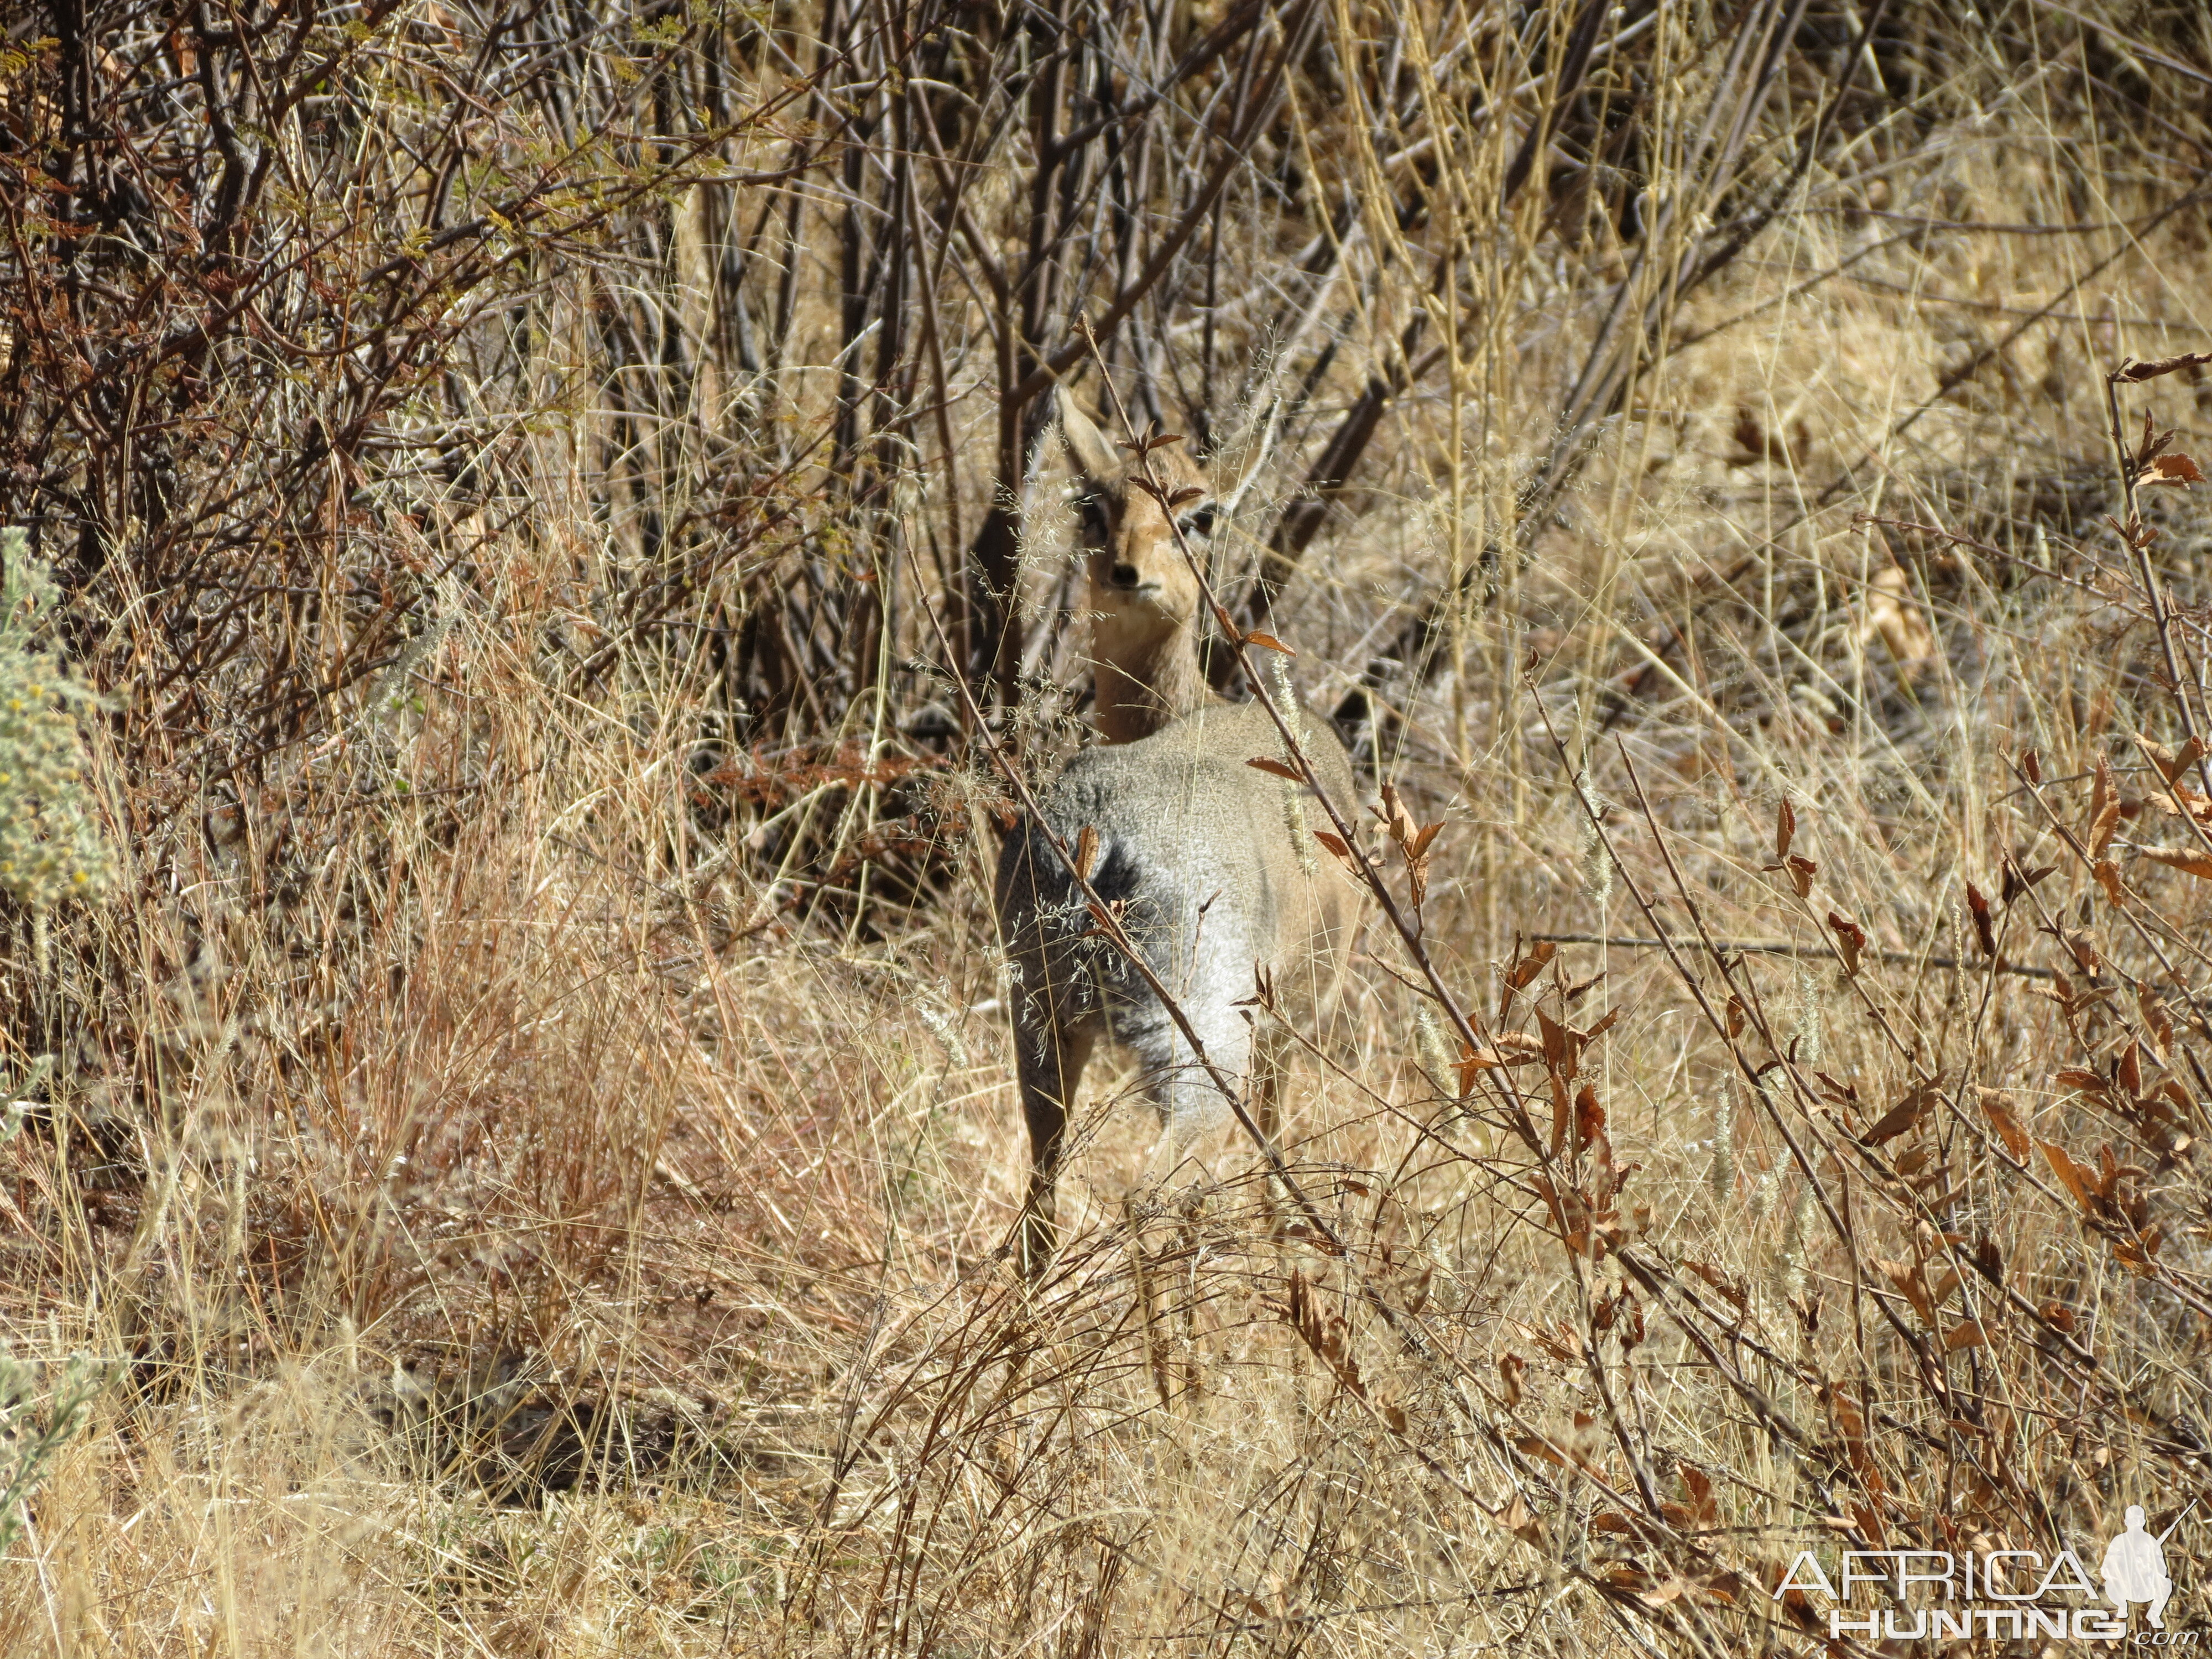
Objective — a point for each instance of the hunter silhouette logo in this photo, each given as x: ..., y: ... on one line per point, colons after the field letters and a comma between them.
x: 2135, y: 1567
x: 2003, y: 1594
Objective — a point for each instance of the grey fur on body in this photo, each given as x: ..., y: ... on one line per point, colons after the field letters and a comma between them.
x: 1215, y: 865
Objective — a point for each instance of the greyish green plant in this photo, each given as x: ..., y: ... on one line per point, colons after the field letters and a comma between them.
x: 34, y: 1426
x: 51, y: 846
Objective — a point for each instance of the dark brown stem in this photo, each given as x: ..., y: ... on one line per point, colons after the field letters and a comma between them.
x: 2138, y: 544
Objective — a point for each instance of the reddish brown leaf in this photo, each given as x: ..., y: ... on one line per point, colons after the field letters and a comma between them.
x: 2172, y: 763
x: 1560, y: 1049
x: 2077, y: 1180
x: 1269, y: 643
x: 2171, y: 470
x: 1324, y: 1332
x: 2018, y: 881
x: 1905, y: 1114
x: 2002, y: 1112
x: 1906, y: 1277
x: 1510, y: 1367
x: 2179, y: 800
x: 1395, y: 817
x: 1978, y: 907
x: 2173, y: 1091
x: 2189, y: 860
x: 2155, y: 1019
x: 1518, y: 976
x: 1086, y: 851
x: 1730, y: 1288
x: 1531, y: 1445
x: 2108, y: 876
x: 1531, y: 964
x: 2104, y: 810
x: 1273, y: 768
x: 1699, y: 1485
x: 2134, y: 374
x: 1802, y: 871
x: 1850, y: 940
x: 1518, y: 1519
x: 1785, y: 828
x: 1473, y: 1063
x: 1631, y: 1333
x: 1589, y: 1117
x: 1511, y: 1049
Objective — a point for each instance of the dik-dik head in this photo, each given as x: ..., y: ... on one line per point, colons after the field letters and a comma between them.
x: 1142, y: 590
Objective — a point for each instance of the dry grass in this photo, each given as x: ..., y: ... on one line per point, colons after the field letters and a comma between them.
x: 528, y: 1159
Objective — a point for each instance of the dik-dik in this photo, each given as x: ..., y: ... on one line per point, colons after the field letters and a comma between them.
x: 1211, y: 863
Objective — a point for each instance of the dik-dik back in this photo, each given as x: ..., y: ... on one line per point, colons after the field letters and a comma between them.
x: 1211, y: 862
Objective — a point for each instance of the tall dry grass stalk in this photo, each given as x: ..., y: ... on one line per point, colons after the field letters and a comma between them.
x: 561, y: 512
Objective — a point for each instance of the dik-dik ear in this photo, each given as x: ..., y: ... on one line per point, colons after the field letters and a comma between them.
x: 1101, y: 463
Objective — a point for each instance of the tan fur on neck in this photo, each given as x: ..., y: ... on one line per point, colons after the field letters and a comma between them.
x: 1142, y: 686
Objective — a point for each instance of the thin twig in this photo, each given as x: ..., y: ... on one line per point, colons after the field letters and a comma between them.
x: 1770, y: 947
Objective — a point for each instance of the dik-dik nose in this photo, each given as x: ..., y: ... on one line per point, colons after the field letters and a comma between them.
x: 1125, y: 575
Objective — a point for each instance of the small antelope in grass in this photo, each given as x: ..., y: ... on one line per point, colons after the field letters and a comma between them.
x: 1212, y: 862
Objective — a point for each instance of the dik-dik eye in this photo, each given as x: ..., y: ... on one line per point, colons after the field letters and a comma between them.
x: 1091, y: 514
x: 1199, y: 521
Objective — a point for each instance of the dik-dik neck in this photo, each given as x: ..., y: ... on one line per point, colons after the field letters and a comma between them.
x: 1145, y: 683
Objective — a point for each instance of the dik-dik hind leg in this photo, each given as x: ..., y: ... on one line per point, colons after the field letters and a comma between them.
x: 1170, y: 1191
x: 1048, y: 1062
x: 1193, y: 1112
